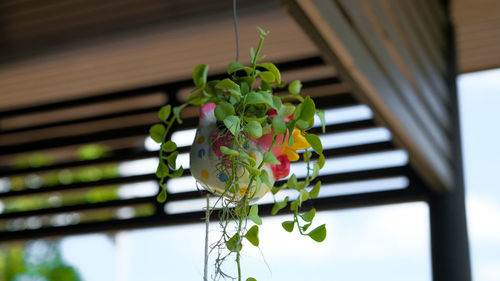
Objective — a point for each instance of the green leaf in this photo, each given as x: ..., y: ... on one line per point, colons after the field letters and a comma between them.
x: 321, y: 115
x: 315, y: 191
x: 177, y: 173
x: 251, y: 279
x: 234, y: 66
x: 303, y: 125
x: 270, y: 158
x: 200, y: 75
x: 164, y: 112
x: 321, y: 161
x: 303, y: 195
x: 157, y: 132
x: 228, y: 84
x: 177, y: 113
x: 286, y: 110
x: 288, y: 225
x: 252, y: 235
x: 292, y: 182
x: 279, y: 205
x: 254, y: 129
x: 308, y: 109
x: 295, y: 87
x: 245, y: 89
x: 262, y: 31
x: 309, y: 216
x: 275, y: 189
x: 315, y: 170
x: 315, y: 143
x: 279, y: 126
x: 234, y: 243
x: 233, y: 124
x: 172, y: 159
x: 249, y: 159
x: 228, y: 151
x: 223, y: 109
x: 254, y: 98
x: 254, y: 214
x: 267, y: 76
x: 169, y: 146
x: 318, y: 234
x: 277, y: 102
x: 264, y: 176
x: 306, y: 226
x: 162, y: 196
x: 252, y: 54
x: 273, y: 69
x: 161, y: 170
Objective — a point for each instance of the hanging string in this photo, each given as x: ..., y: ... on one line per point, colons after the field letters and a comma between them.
x: 235, y: 21
x: 207, y: 225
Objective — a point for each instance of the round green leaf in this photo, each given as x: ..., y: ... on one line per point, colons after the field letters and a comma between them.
x: 252, y: 235
x: 162, y: 170
x: 200, y: 75
x: 232, y: 124
x: 254, y: 214
x: 308, y: 109
x: 251, y: 279
x: 169, y: 146
x: 309, y: 216
x: 164, y: 112
x: 295, y: 87
x: 318, y: 234
x: 157, y: 132
x: 267, y: 76
x: 315, y: 143
x: 315, y: 191
x: 234, y: 243
x: 162, y: 196
x: 288, y: 225
x: 279, y: 126
x: 270, y: 158
x: 228, y: 151
x: 223, y: 109
x: 254, y: 129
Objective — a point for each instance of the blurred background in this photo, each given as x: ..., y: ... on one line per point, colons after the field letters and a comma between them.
x: 80, y: 82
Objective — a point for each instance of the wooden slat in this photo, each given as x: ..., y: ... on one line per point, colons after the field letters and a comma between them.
x: 356, y: 65
x: 415, y: 47
x: 429, y: 119
x: 433, y: 94
x: 423, y: 34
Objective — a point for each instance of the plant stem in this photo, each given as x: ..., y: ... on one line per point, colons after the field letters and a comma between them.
x: 207, y: 222
x: 240, y: 221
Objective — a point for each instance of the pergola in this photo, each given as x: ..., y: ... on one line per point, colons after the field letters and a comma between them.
x: 76, y: 73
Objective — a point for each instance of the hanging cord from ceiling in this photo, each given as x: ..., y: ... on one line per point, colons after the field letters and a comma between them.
x: 235, y: 21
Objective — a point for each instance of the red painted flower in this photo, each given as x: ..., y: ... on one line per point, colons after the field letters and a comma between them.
x: 281, y: 170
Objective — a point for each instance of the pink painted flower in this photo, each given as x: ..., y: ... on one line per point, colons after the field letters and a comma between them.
x: 281, y: 170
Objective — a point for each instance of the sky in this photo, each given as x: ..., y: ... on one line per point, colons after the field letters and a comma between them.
x: 376, y: 243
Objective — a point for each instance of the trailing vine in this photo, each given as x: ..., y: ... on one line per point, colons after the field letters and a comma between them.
x: 248, y: 114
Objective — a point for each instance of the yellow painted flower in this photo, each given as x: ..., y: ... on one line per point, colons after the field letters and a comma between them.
x: 299, y: 142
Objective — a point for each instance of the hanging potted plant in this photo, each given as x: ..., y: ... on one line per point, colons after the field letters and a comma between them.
x: 246, y: 139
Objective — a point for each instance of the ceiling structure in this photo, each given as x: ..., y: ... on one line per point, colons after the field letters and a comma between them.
x: 477, y: 25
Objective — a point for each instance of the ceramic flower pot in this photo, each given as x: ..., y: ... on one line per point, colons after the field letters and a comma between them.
x: 212, y: 169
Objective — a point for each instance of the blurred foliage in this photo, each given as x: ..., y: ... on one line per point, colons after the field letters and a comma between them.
x: 91, y: 151
x: 37, y: 159
x: 38, y: 260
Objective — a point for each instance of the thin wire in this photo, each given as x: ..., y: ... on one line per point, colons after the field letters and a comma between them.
x: 235, y: 21
x: 207, y: 223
